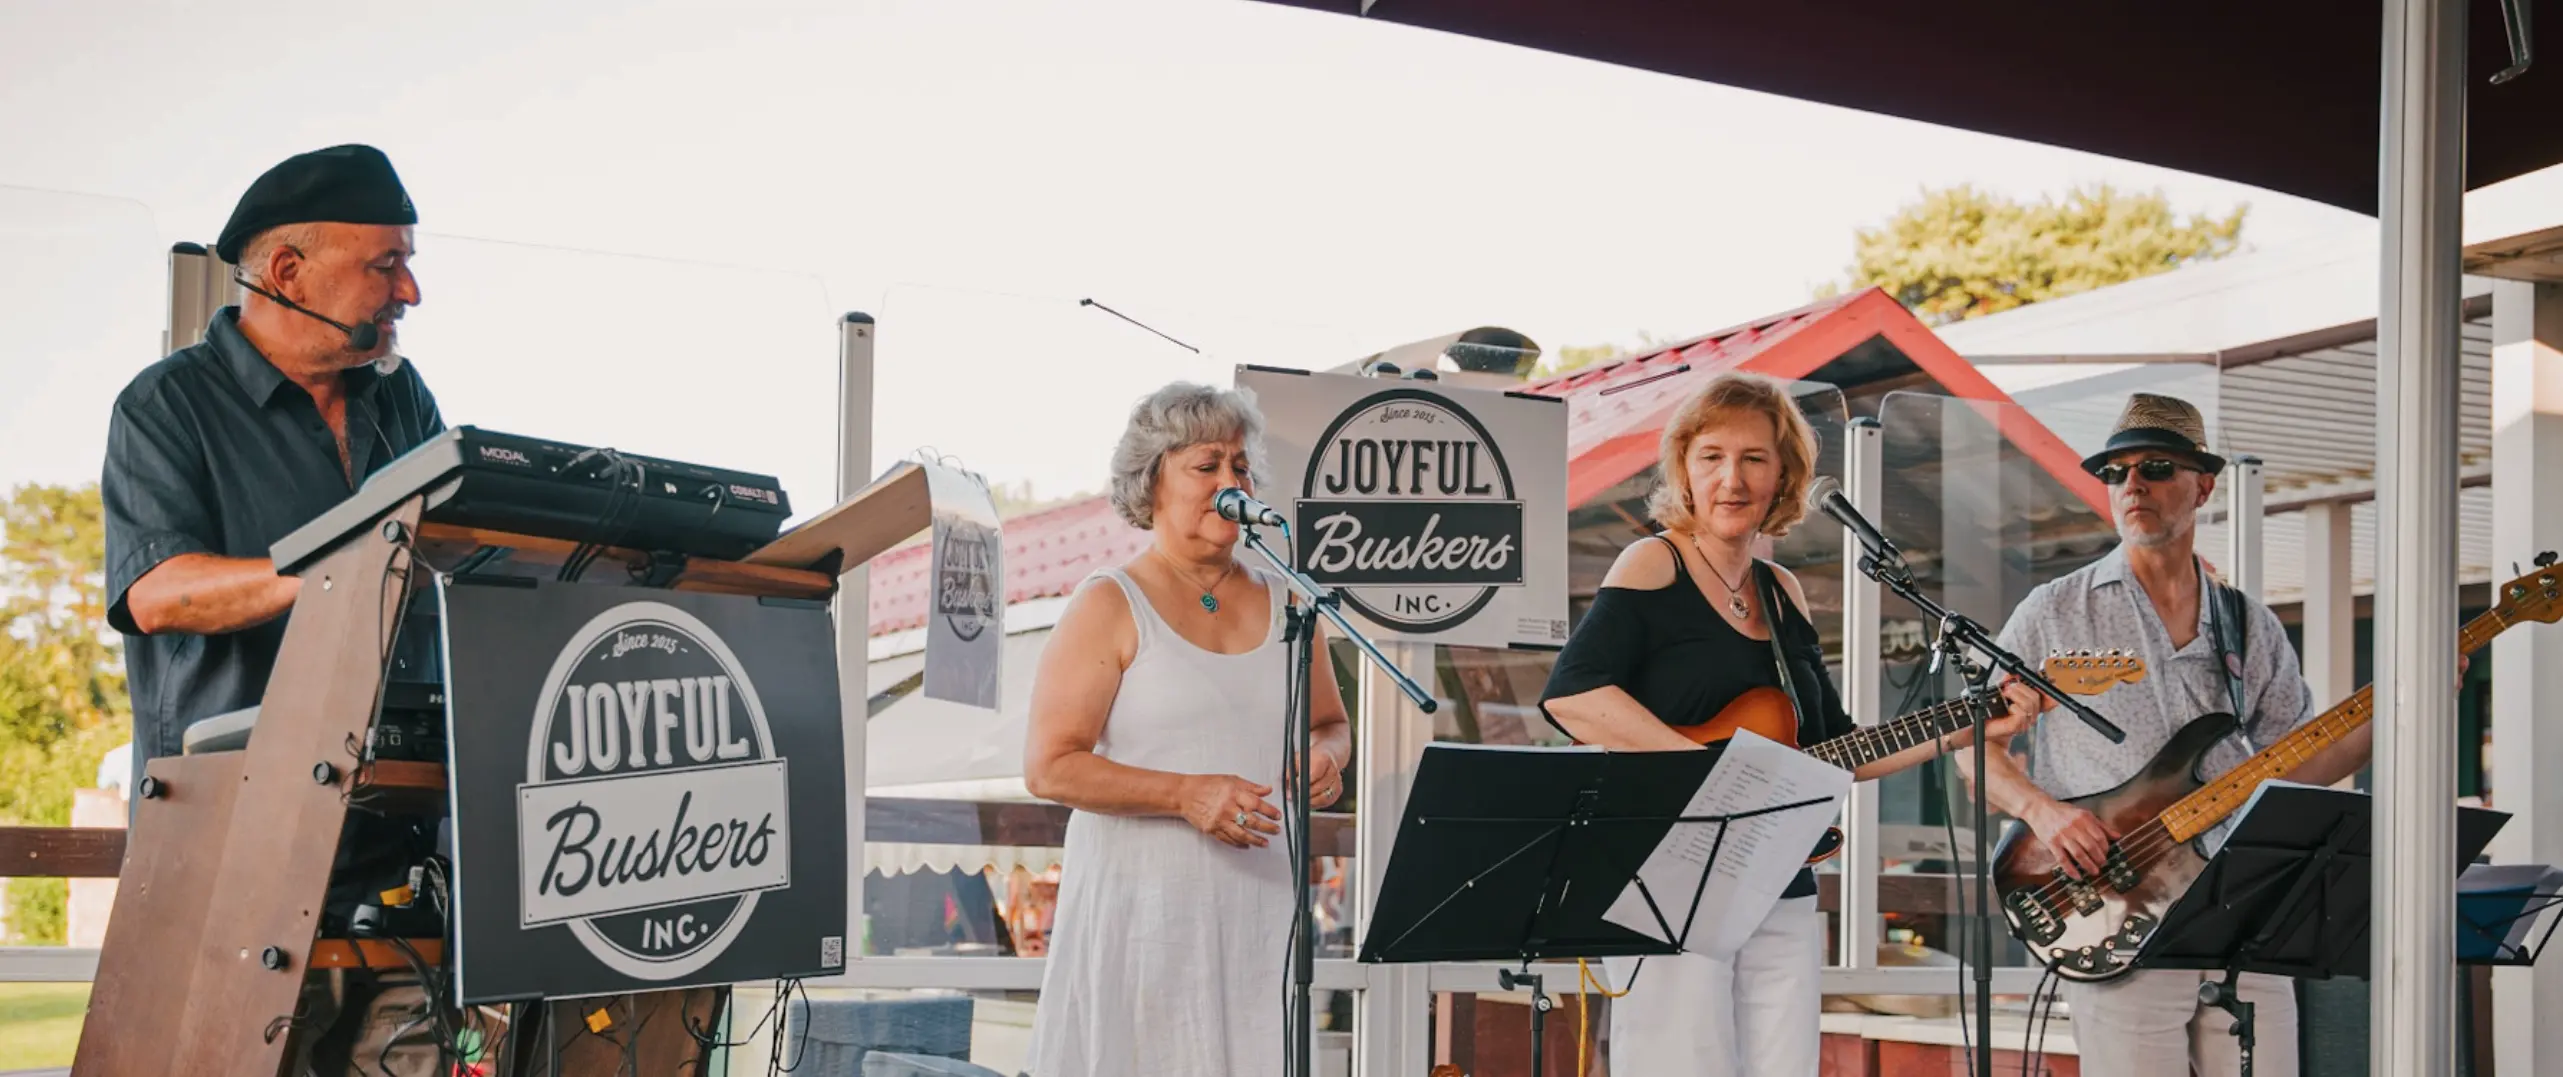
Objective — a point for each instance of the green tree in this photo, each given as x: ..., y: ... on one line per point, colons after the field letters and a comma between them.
x: 1959, y: 252
x: 1576, y: 357
x: 1018, y: 497
x: 62, y: 683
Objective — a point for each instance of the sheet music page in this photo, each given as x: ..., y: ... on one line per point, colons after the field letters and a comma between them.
x: 1755, y: 862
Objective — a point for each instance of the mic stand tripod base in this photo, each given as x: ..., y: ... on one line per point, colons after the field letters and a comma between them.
x: 1540, y: 1004
x: 2225, y: 997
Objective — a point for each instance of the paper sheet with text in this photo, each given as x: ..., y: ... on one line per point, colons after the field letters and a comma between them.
x: 1757, y: 858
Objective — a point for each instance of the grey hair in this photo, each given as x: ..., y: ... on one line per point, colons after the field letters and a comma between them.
x: 1179, y: 416
x: 261, y: 247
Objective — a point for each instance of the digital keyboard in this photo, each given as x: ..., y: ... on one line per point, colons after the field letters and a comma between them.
x: 506, y: 482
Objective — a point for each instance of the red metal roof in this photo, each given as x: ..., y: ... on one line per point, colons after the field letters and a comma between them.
x: 1608, y: 439
x: 1047, y: 553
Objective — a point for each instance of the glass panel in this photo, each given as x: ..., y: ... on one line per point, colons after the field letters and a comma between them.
x: 1987, y: 501
x: 1032, y: 392
x: 40, y: 1024
x: 1488, y: 1033
x: 83, y: 288
x: 986, y: 1028
x: 83, y: 294
x: 1495, y: 694
x: 713, y: 365
x: 825, y: 1029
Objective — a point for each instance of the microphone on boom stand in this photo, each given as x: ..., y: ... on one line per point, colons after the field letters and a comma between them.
x: 1884, y: 563
x: 1299, y: 621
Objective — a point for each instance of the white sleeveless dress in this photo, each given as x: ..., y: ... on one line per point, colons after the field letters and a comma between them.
x: 1168, y: 948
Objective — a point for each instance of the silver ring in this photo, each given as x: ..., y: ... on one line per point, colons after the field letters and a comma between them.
x: 1241, y: 818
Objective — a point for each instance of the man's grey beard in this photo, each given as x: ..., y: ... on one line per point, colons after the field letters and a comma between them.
x: 2129, y: 534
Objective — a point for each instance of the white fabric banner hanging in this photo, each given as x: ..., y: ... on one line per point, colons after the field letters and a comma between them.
x: 965, y: 628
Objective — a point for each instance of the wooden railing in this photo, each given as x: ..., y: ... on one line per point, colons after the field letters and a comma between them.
x: 94, y: 852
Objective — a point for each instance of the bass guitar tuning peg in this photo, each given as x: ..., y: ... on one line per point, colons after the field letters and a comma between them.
x: 2545, y: 559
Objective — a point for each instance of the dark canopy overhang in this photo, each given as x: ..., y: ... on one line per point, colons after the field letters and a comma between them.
x: 2277, y: 94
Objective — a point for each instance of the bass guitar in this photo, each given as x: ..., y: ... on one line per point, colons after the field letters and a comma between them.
x: 2090, y: 930
x: 1767, y: 713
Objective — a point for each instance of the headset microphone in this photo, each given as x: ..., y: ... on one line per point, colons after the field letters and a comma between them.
x: 361, y: 336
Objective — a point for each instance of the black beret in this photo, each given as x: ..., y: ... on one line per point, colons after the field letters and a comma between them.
x: 347, y: 184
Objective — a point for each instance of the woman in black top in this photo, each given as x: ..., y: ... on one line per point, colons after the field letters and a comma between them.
x: 1679, y: 629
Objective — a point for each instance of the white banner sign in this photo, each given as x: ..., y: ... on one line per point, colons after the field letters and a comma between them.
x: 653, y: 839
x: 1439, y: 512
x: 966, y: 626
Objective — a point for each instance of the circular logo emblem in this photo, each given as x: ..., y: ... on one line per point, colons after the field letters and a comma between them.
x: 1409, y: 507
x: 965, y: 592
x: 654, y: 807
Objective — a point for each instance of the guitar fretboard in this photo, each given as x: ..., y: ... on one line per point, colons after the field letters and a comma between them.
x: 1859, y: 748
x: 2196, y: 813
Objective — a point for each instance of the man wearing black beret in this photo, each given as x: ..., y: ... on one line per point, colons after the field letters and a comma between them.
x: 219, y: 450
x: 224, y: 447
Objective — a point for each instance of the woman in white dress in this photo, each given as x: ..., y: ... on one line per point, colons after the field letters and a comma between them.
x: 1158, y: 715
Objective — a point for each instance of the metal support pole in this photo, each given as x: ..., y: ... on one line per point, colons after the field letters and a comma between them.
x: 2527, y: 661
x: 1862, y: 687
x: 199, y: 285
x: 2330, y: 609
x: 854, y: 603
x: 1392, y: 1023
x: 2421, y: 186
x: 2243, y: 485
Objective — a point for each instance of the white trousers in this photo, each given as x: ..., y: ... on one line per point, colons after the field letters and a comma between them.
x: 1689, y: 1016
x: 2151, y: 1024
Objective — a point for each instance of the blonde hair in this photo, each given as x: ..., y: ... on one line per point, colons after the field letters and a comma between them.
x: 1724, y: 398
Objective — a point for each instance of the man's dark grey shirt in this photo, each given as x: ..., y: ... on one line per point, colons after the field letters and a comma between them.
x: 213, y: 450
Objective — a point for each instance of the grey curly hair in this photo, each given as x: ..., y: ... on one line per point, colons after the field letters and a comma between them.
x: 1179, y: 416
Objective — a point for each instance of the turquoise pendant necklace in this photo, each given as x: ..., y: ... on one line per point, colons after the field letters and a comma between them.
x: 1209, y: 601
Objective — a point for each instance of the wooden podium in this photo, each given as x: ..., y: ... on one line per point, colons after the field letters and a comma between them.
x: 231, y: 853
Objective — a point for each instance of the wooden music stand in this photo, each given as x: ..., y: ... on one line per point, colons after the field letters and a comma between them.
x: 230, y: 856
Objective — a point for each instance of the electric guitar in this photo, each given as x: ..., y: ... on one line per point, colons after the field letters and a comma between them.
x: 2089, y: 930
x: 2089, y: 673
x: 1767, y: 713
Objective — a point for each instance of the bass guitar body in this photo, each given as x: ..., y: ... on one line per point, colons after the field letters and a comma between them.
x: 2090, y: 930
x: 1766, y: 713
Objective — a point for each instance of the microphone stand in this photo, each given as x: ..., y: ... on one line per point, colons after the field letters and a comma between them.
x: 1310, y: 601
x: 1959, y: 634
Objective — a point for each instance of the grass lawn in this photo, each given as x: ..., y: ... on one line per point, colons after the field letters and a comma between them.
x: 40, y: 1024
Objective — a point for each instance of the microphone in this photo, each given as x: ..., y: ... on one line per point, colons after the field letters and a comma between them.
x: 1236, y: 505
x: 361, y: 336
x: 1826, y: 495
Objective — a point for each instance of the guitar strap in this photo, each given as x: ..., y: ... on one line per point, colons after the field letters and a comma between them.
x: 2225, y: 620
x: 1774, y: 610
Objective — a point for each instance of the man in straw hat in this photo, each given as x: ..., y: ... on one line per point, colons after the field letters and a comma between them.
x: 2207, y: 649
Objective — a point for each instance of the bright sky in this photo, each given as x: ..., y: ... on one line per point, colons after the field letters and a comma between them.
x: 1270, y: 184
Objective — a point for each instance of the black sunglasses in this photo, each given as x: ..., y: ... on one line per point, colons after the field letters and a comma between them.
x: 2150, y: 469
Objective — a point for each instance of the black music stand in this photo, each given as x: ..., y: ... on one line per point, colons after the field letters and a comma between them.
x: 1483, y: 868
x: 2492, y: 933
x: 2287, y: 895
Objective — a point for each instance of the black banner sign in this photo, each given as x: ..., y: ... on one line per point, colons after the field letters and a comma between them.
x: 1357, y: 543
x: 648, y: 790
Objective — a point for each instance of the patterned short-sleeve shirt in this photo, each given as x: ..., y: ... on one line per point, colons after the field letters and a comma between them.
x: 2103, y: 606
